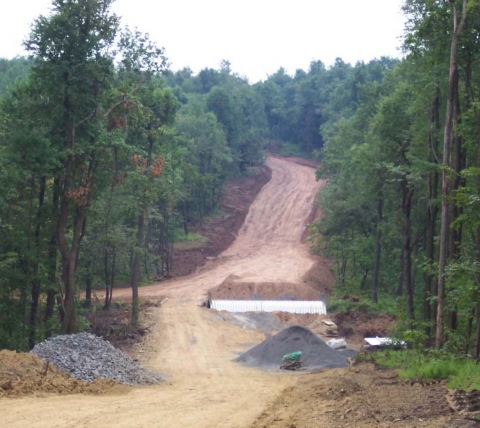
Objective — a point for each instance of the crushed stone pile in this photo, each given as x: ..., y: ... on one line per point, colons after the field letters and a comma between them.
x: 88, y: 357
x: 316, y: 354
x: 26, y: 374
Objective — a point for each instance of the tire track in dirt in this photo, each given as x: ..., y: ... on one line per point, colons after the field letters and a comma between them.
x: 190, y: 343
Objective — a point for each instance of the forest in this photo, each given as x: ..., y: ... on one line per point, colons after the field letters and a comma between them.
x: 107, y: 156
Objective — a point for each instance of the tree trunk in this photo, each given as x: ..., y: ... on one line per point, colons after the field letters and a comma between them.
x: 36, y: 280
x: 432, y: 213
x: 140, y: 242
x: 447, y: 144
x: 476, y: 351
x: 458, y: 182
x: 69, y: 265
x: 108, y: 289
x: 52, y: 258
x: 88, y: 287
x: 136, y: 266
x: 407, y: 195
x: 378, y: 250
x: 184, y: 216
x: 112, y: 276
x: 400, y: 275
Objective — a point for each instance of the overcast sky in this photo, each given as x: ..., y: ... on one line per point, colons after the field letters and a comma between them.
x: 256, y: 36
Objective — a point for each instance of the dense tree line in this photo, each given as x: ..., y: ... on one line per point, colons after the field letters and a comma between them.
x: 298, y: 106
x: 11, y: 71
x: 106, y: 156
x: 104, y: 161
x: 401, y: 207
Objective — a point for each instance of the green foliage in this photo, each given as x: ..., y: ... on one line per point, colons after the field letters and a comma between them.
x: 290, y: 149
x: 461, y: 373
x: 106, y: 158
x: 363, y: 305
x: 180, y: 236
x: 13, y: 72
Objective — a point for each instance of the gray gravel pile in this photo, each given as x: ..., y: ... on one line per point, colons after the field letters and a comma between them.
x: 88, y: 357
x: 316, y: 354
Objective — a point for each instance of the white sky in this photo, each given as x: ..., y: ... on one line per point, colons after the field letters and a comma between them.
x: 256, y: 36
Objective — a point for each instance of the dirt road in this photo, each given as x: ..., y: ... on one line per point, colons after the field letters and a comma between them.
x: 191, y: 344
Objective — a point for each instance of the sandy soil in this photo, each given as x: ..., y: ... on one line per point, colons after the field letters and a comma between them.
x: 26, y: 374
x: 207, y: 389
x: 362, y: 396
x: 195, y: 347
x: 269, y: 245
x: 220, y: 231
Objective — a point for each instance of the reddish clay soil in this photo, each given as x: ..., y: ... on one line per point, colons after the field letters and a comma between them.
x: 354, y: 326
x: 362, y: 396
x: 234, y: 288
x: 207, y: 389
x: 238, y: 195
x: 268, y: 248
x: 26, y: 374
x: 318, y: 280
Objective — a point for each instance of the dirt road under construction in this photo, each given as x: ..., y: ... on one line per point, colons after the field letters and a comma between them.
x: 192, y: 345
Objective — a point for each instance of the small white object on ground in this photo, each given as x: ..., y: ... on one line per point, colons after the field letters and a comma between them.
x: 383, y: 341
x: 337, y: 343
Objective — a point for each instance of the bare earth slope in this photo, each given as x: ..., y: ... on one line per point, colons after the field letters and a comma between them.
x: 207, y: 389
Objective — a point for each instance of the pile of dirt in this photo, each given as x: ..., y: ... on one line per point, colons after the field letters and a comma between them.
x: 26, y: 374
x: 316, y: 354
x: 355, y: 325
x: 88, y: 357
x: 362, y: 396
x: 320, y: 277
x: 233, y: 288
x: 238, y: 195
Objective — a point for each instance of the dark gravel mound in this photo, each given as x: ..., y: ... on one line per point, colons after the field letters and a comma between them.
x: 88, y: 357
x: 316, y: 354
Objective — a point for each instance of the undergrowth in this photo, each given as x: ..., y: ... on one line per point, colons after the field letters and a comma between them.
x: 460, y: 372
x: 290, y: 149
x: 180, y: 236
x: 340, y: 302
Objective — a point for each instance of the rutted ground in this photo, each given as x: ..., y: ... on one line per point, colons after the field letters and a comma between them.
x: 194, y: 347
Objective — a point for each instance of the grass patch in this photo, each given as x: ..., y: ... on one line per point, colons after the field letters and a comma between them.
x: 216, y: 213
x: 189, y: 237
x: 294, y: 150
x: 460, y: 373
x: 340, y: 302
x: 189, y: 240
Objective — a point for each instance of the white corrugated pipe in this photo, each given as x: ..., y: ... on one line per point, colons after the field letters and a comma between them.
x: 292, y: 306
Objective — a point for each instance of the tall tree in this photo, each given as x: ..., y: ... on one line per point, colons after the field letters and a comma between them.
x: 458, y: 24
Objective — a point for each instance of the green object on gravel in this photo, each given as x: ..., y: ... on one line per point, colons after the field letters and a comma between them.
x: 294, y: 356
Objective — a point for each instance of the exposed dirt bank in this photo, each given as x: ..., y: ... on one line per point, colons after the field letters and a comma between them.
x: 26, y: 374
x: 221, y: 231
x: 207, y: 389
x: 361, y: 397
x: 234, y: 288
